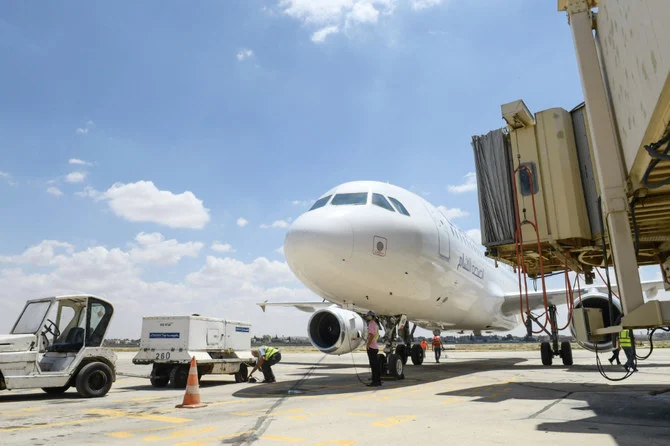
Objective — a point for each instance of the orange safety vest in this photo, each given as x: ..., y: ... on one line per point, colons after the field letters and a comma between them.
x: 424, y: 344
x: 437, y: 341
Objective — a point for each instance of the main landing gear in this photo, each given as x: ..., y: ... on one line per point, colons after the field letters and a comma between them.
x: 394, y: 357
x: 550, y: 349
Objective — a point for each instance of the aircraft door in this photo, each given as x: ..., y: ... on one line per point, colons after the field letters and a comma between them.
x: 443, y: 232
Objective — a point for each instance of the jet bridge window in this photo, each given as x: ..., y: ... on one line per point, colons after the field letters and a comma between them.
x: 525, y: 179
x: 398, y: 205
x: 321, y: 202
x: 382, y: 202
x: 358, y: 198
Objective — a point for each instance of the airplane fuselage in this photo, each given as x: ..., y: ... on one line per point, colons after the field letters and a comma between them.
x: 363, y: 252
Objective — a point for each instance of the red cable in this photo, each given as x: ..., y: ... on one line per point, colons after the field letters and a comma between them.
x: 603, y: 279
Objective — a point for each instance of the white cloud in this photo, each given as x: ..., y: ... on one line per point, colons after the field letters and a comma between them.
x: 302, y: 203
x: 144, y: 202
x: 84, y: 130
x: 280, y: 250
x: 222, y: 247
x: 75, y: 177
x: 54, y: 191
x: 7, y: 177
x: 276, y: 224
x: 79, y: 162
x: 453, y: 212
x: 227, y: 286
x: 42, y: 254
x: 475, y: 234
x: 363, y: 12
x: 244, y: 53
x: 326, y: 17
x: 154, y: 249
x: 320, y: 35
x: 418, y: 5
x: 469, y: 184
x: 89, y: 192
x: 242, y: 222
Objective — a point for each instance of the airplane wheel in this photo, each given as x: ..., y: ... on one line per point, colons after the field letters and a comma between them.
x: 566, y: 353
x: 401, y: 351
x: 546, y: 353
x: 381, y: 362
x: 417, y: 354
x: 395, y: 366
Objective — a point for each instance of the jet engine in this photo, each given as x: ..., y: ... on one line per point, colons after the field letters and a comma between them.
x: 336, y: 331
x: 602, y: 302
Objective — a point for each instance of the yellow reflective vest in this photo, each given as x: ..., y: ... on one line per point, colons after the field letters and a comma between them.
x: 625, y: 339
x: 269, y: 352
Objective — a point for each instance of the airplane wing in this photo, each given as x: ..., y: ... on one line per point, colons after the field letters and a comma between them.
x: 557, y: 297
x: 308, y: 307
x: 536, y: 300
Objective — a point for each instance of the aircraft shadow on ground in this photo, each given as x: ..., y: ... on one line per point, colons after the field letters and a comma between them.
x: 629, y: 413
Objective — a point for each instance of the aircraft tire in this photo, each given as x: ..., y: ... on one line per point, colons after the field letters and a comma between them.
x: 396, y: 366
x: 546, y: 353
x: 417, y: 354
x: 401, y: 351
x: 566, y: 353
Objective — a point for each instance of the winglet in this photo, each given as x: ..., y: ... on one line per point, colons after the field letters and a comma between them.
x: 263, y: 306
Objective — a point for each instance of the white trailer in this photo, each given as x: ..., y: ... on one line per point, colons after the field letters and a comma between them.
x: 169, y: 342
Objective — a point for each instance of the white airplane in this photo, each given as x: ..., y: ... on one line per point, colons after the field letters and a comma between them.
x: 368, y: 245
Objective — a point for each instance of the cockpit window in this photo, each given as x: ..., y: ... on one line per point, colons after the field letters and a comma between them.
x: 382, y: 202
x: 321, y: 202
x: 398, y: 205
x: 355, y: 198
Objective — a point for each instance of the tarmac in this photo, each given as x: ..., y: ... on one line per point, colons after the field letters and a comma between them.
x: 468, y: 398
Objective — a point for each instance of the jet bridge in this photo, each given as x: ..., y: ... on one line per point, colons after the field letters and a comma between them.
x: 590, y: 187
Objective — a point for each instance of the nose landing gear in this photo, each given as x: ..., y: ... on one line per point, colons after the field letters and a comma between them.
x: 550, y: 349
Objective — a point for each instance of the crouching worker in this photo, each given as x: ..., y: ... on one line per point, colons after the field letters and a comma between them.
x: 266, y: 358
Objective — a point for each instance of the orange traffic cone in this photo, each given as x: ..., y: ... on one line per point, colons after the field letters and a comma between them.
x: 192, y: 395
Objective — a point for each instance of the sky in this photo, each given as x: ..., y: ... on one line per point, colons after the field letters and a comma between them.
x: 155, y: 152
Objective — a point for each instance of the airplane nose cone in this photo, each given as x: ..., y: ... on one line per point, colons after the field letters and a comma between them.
x: 316, y: 242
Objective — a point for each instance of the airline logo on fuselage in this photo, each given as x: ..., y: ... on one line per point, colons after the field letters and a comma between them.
x: 466, y: 263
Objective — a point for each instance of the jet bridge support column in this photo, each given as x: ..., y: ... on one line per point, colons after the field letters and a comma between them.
x: 608, y: 158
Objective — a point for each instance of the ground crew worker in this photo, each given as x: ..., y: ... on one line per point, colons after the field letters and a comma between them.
x: 373, y: 350
x: 626, y: 343
x: 437, y: 347
x: 424, y: 345
x: 267, y: 357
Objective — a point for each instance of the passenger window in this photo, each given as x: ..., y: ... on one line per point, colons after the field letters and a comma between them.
x: 359, y: 198
x: 321, y: 202
x: 398, y: 205
x: 525, y: 179
x: 382, y: 202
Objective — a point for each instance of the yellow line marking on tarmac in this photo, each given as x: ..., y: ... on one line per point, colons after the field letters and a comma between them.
x: 61, y: 423
x: 394, y: 421
x: 141, y: 400
x: 452, y: 399
x: 280, y: 438
x: 131, y: 433
x: 309, y: 415
x: 205, y: 441
x: 21, y: 411
x: 181, y: 434
x: 221, y: 403
x: 140, y: 416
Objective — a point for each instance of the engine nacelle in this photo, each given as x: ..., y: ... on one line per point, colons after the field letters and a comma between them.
x: 336, y: 331
x: 602, y: 302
